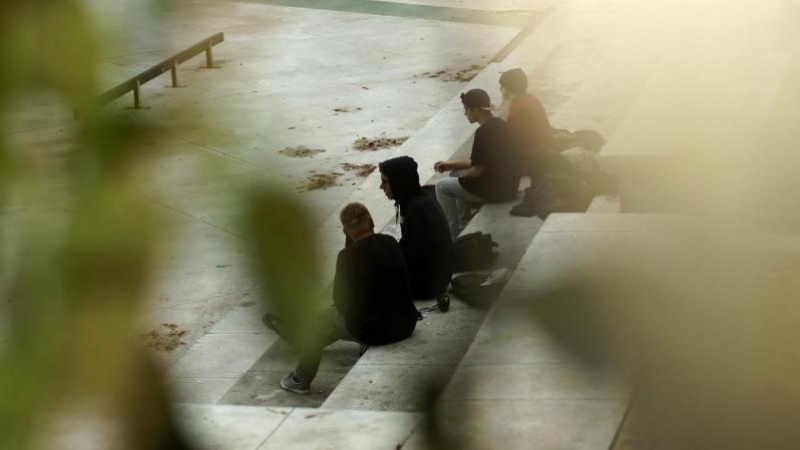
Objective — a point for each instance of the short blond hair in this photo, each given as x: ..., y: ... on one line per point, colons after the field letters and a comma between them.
x: 356, y: 219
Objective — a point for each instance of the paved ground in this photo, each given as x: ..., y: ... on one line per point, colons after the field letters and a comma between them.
x: 289, y: 79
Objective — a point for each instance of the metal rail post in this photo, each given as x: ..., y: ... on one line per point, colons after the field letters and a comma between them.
x: 174, y: 73
x: 136, y: 91
x: 209, y: 57
x: 170, y: 64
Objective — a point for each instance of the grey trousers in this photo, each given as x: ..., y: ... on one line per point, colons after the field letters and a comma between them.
x: 455, y: 202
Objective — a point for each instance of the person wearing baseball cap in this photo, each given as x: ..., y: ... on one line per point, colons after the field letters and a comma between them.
x: 491, y: 174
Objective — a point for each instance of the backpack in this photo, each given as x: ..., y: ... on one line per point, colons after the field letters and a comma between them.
x: 479, y: 289
x: 473, y: 251
x: 588, y: 139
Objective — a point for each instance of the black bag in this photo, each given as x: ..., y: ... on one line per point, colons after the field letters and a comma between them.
x: 473, y: 251
x: 479, y: 289
x: 589, y: 139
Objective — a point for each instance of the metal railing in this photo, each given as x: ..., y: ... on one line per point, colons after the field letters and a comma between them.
x: 170, y: 64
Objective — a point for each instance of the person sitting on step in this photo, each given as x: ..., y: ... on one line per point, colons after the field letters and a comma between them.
x: 527, y: 119
x: 425, y: 242
x: 371, y: 297
x: 490, y: 175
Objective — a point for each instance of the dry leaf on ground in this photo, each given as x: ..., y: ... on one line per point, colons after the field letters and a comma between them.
x: 322, y: 181
x: 300, y: 152
x: 361, y: 170
x: 167, y: 337
x: 364, y: 144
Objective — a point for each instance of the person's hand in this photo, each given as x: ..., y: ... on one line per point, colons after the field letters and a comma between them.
x: 440, y: 166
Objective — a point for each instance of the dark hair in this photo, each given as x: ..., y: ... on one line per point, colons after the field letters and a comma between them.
x: 476, y: 98
x: 515, y: 81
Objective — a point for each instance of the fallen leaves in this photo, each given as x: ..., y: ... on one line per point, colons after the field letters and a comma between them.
x: 346, y: 109
x: 460, y: 75
x: 300, y: 152
x: 167, y: 337
x: 361, y: 170
x: 378, y: 143
x: 317, y: 181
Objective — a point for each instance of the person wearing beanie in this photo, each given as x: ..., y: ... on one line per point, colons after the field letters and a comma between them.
x: 425, y: 240
x: 490, y: 175
x: 527, y: 118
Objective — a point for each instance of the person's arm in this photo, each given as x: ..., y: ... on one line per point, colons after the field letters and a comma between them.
x: 473, y: 172
x: 446, y: 166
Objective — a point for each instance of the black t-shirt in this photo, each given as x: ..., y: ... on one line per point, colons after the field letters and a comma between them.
x: 371, y: 290
x: 493, y: 149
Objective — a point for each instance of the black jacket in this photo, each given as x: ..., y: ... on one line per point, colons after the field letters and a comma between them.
x: 371, y: 291
x: 426, y: 243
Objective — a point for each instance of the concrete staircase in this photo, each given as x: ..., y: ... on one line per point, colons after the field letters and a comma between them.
x: 507, y: 381
x: 378, y: 402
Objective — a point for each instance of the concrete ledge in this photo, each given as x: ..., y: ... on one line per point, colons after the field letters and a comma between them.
x: 604, y: 204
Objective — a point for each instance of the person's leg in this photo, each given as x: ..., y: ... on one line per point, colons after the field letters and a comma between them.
x: 466, y: 209
x: 454, y: 199
x: 447, y: 200
x: 330, y: 328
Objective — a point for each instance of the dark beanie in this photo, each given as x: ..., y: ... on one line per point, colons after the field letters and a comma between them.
x: 515, y: 81
x: 476, y: 98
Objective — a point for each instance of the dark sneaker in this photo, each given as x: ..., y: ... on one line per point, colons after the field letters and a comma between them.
x: 292, y: 384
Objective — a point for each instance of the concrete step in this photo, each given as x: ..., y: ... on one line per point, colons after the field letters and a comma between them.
x: 604, y: 204
x: 225, y: 427
x: 520, y: 382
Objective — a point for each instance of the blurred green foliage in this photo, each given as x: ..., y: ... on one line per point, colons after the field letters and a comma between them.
x: 73, y: 280
x: 287, y: 258
x: 47, y: 46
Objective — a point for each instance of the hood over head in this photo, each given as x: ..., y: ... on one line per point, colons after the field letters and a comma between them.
x: 403, y: 179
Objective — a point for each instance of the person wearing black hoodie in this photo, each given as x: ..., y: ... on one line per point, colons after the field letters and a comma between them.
x: 425, y: 243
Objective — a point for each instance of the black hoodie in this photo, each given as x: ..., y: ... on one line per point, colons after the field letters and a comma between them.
x: 425, y: 242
